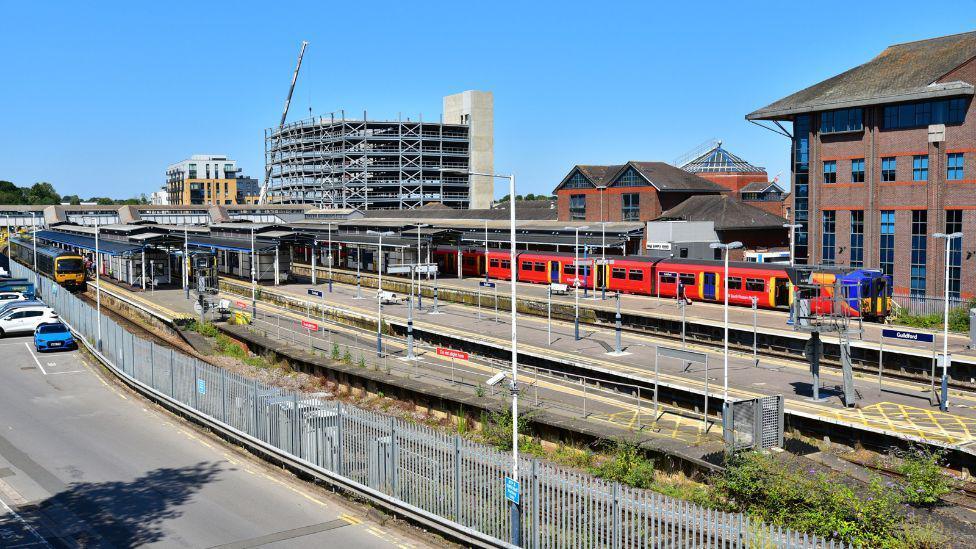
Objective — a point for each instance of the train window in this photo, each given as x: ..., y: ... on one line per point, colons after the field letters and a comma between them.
x: 735, y: 283
x: 493, y: 263
x: 584, y: 270
x: 506, y: 264
x: 468, y: 260
x: 667, y: 278
x: 688, y: 279
x: 526, y: 265
x: 636, y: 274
x: 755, y: 285
x: 540, y: 267
x: 619, y: 273
x: 569, y: 269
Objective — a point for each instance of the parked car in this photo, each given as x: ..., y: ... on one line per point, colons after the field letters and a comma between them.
x: 53, y: 336
x: 12, y: 304
x: 25, y: 319
x: 11, y: 296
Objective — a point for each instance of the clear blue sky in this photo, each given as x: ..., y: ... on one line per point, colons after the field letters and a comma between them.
x: 97, y: 98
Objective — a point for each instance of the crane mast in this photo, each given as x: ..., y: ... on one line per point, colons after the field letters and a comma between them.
x: 284, y: 114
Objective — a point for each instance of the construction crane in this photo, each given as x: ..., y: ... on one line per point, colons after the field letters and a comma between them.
x: 284, y: 114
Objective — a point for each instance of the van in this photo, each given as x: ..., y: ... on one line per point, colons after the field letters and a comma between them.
x: 25, y: 319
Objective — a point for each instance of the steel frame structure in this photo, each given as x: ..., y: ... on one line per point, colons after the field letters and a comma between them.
x: 336, y: 162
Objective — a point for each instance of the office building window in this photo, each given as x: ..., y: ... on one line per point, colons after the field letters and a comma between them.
x: 631, y: 178
x: 887, y: 242
x: 919, y: 236
x: 954, y: 167
x: 917, y: 115
x: 829, y: 238
x: 857, y: 238
x: 920, y: 168
x: 889, y: 169
x: 801, y: 183
x: 841, y: 120
x: 577, y: 206
x: 578, y: 181
x: 954, y: 225
x: 857, y: 170
x: 830, y: 171
x: 630, y: 207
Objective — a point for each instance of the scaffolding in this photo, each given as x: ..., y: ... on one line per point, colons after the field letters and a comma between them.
x: 336, y: 162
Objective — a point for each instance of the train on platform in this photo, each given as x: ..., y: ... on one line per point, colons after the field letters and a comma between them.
x: 866, y: 293
x: 64, y: 267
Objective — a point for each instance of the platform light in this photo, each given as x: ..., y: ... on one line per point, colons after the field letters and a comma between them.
x: 725, y: 343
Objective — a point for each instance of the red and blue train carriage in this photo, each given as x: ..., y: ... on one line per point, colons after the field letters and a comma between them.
x: 697, y: 280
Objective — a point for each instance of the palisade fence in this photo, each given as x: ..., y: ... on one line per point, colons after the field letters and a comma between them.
x: 920, y: 305
x: 441, y: 474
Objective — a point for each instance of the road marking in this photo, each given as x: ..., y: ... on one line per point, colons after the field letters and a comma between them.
x: 67, y: 372
x: 41, y: 542
x: 31, y: 351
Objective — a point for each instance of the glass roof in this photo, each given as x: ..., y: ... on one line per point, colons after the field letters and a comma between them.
x: 719, y: 160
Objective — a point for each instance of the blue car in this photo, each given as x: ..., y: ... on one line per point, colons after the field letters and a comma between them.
x: 53, y: 336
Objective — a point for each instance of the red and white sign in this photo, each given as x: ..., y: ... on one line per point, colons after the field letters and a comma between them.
x: 241, y: 305
x: 451, y: 353
x: 311, y: 326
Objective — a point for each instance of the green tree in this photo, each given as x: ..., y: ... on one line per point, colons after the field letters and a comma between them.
x: 43, y: 193
x: 11, y: 194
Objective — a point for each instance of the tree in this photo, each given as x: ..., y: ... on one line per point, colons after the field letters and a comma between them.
x: 11, y: 194
x: 72, y: 199
x: 43, y: 193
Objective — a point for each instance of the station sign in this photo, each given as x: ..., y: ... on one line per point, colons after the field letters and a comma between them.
x: 316, y: 293
x: 426, y: 268
x: 485, y: 284
x: 583, y: 262
x: 451, y: 353
x: 399, y: 269
x: 908, y: 336
x: 512, y: 490
x: 604, y: 262
x: 309, y: 325
x: 241, y: 305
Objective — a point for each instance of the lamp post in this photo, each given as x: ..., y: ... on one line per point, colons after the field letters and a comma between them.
x: 98, y: 288
x: 725, y: 343
x: 516, y: 517
x: 330, y: 257
x: 603, y: 256
x: 254, y: 282
x: 576, y: 282
x: 792, y: 227
x: 420, y: 297
x: 37, y: 279
x: 379, y: 292
x: 943, y: 402
x: 486, y: 250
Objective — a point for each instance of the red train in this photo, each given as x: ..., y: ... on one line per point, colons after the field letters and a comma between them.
x: 700, y: 280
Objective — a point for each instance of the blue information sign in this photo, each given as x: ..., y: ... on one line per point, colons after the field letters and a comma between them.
x: 202, y: 386
x: 512, y: 490
x: 908, y: 336
x: 487, y: 284
x: 316, y: 293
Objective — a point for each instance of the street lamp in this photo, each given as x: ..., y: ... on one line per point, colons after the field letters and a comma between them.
x: 576, y: 283
x: 420, y: 297
x: 254, y: 283
x: 98, y: 287
x: 943, y: 402
x: 725, y: 295
x: 379, y: 292
x: 37, y: 279
x: 516, y: 519
x: 792, y: 227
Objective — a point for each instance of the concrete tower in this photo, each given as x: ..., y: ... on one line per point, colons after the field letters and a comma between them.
x: 477, y: 110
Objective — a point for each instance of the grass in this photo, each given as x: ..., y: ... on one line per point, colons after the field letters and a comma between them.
x: 958, y: 319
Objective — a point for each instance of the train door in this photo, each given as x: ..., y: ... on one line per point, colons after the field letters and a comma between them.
x: 708, y: 286
x: 781, y: 295
x: 482, y: 264
x: 601, y: 273
x: 554, y: 269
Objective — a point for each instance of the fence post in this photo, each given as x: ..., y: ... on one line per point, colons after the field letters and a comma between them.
x: 223, y: 395
x: 392, y: 464
x: 152, y: 364
x: 339, y: 464
x: 256, y: 432
x: 535, y: 503
x: 615, y: 513
x: 294, y: 425
x: 457, y: 479
x: 172, y: 374
x: 193, y: 386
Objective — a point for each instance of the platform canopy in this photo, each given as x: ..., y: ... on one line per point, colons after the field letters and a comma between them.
x: 109, y: 247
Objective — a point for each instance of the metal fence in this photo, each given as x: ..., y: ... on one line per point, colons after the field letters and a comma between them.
x: 921, y: 305
x: 442, y: 474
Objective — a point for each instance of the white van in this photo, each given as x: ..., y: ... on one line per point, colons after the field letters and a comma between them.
x: 25, y: 319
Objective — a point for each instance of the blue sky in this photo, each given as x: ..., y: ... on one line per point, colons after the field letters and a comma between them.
x: 97, y: 98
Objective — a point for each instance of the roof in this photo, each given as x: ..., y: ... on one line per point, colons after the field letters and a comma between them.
x: 726, y: 213
x: 662, y: 176
x: 902, y: 72
x: 109, y: 247
x: 762, y: 187
x: 719, y: 160
x: 524, y: 210
x: 597, y: 241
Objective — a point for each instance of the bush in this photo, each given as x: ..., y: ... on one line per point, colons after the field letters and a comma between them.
x: 627, y: 465
x: 497, y: 428
x: 958, y: 318
x: 336, y: 355
x: 925, y: 481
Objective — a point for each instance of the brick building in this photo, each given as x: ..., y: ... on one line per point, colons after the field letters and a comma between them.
x: 635, y: 191
x: 733, y: 220
x: 745, y: 181
x: 883, y: 157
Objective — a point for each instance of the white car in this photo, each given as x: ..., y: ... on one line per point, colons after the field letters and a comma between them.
x: 11, y: 296
x: 25, y: 319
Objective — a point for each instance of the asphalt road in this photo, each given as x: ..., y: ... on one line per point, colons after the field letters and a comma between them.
x: 86, y: 463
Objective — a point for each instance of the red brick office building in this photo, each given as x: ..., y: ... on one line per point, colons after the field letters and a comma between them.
x: 635, y: 191
x: 884, y: 157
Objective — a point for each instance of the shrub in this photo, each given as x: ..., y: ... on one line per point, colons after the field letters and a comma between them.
x: 347, y: 356
x: 925, y: 481
x: 497, y: 430
x: 336, y: 355
x: 627, y: 465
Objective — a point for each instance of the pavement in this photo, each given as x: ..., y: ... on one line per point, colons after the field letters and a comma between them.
x: 767, y: 320
x: 84, y: 462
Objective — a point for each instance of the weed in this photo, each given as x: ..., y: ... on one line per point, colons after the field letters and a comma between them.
x: 347, y: 357
x: 925, y: 481
x: 336, y: 355
x: 362, y: 361
x: 479, y: 391
x: 627, y: 465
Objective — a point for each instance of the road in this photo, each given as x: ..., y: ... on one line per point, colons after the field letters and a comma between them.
x: 84, y: 462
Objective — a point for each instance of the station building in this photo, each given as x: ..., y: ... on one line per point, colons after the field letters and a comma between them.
x: 883, y: 157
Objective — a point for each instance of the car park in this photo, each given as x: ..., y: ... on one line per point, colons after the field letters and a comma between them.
x: 52, y: 336
x: 26, y: 319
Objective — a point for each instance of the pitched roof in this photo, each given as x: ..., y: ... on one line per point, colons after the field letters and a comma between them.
x: 902, y: 72
x: 719, y: 160
x: 662, y: 176
x: 761, y: 187
x: 725, y: 212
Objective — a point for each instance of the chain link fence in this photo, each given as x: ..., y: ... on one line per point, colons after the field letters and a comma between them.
x: 442, y: 474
